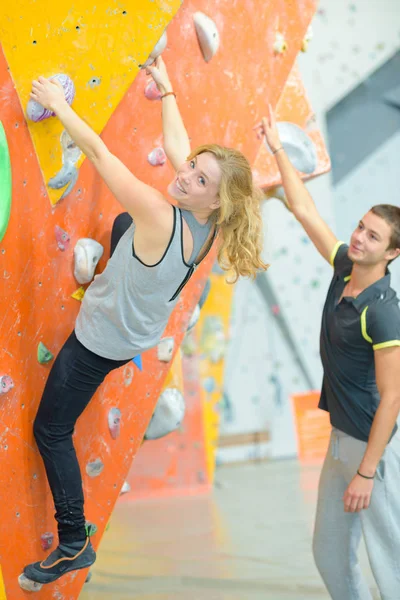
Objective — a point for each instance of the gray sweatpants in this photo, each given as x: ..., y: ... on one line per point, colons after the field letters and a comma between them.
x: 337, y: 534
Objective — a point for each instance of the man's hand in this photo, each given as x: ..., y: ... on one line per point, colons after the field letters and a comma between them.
x: 358, y: 494
x: 268, y: 128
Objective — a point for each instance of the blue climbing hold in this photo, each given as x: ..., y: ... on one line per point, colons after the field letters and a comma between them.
x: 138, y: 362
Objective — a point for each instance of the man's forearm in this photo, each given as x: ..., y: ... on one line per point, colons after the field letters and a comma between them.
x: 296, y: 192
x: 382, y: 427
x: 84, y: 137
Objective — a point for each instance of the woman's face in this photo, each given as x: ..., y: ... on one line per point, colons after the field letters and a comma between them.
x: 196, y: 184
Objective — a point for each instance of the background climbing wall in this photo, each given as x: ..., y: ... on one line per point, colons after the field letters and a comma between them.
x: 350, y: 41
x: 37, y: 281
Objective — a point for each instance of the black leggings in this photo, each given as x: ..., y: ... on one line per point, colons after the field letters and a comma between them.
x: 72, y: 382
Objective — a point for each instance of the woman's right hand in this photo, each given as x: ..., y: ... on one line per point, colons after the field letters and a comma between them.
x: 268, y: 128
x: 158, y: 72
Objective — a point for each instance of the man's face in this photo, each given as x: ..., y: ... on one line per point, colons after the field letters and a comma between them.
x: 370, y: 241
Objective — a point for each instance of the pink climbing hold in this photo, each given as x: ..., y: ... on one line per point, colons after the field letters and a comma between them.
x: 6, y: 384
x: 47, y: 540
x: 151, y: 91
x: 62, y: 238
x: 114, y: 422
x: 275, y: 309
x: 36, y: 112
x: 157, y: 157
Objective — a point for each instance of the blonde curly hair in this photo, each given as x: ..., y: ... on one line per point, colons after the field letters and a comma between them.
x: 239, y: 215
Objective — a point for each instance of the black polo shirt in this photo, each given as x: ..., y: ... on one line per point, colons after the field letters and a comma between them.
x: 351, y: 331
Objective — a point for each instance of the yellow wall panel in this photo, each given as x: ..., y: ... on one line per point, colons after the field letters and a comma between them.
x: 99, y: 47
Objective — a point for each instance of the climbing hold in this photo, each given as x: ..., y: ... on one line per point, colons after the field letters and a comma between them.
x: 125, y: 488
x: 114, y: 422
x: 194, y: 318
x: 46, y: 540
x: 91, y: 528
x: 93, y: 469
x: 307, y: 39
x: 213, y: 341
x: 157, y: 51
x: 6, y: 384
x: 209, y: 384
x: 71, y: 184
x: 165, y: 349
x: 5, y: 183
x: 138, y: 362
x: 88, y: 577
x: 78, y: 294
x: 62, y: 238
x: 87, y: 253
x: 168, y: 414
x: 128, y: 375
x: 71, y: 152
x: 298, y: 146
x: 207, y: 35
x: 189, y: 344
x: 151, y: 91
x: 43, y: 354
x: 280, y: 44
x: 157, y: 157
x: 275, y: 309
x: 28, y: 585
x: 36, y: 112
x: 64, y: 176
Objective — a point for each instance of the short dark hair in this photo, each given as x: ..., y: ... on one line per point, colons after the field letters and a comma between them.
x: 390, y: 214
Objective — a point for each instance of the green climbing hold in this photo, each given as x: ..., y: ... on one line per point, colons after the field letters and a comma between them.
x: 44, y: 355
x: 5, y: 183
x: 91, y: 528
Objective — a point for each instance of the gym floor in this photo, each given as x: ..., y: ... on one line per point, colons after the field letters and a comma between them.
x: 249, y: 540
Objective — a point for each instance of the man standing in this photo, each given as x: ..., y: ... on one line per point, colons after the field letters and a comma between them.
x: 359, y: 491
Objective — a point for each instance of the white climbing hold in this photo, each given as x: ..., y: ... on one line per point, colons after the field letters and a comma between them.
x: 114, y: 422
x: 70, y: 150
x: 168, y: 414
x: 280, y: 44
x: 157, y: 157
x: 165, y: 349
x: 87, y: 254
x: 157, y: 50
x: 28, y: 585
x: 194, y: 318
x: 151, y: 91
x: 307, y: 38
x: 207, y: 35
x: 125, y: 488
x: 94, y: 468
x: 298, y: 146
x: 6, y: 384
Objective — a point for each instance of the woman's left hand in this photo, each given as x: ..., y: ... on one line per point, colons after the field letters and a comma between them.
x: 47, y: 92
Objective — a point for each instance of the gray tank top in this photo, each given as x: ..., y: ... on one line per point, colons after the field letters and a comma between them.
x: 126, y: 308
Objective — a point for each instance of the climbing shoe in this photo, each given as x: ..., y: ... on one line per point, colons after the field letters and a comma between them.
x: 65, y: 558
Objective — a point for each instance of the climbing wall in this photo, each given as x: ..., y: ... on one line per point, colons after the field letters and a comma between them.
x: 37, y: 283
x: 175, y: 465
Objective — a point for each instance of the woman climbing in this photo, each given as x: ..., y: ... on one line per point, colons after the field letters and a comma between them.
x: 155, y: 248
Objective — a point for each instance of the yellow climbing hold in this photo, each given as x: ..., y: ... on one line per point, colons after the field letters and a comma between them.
x: 78, y: 294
